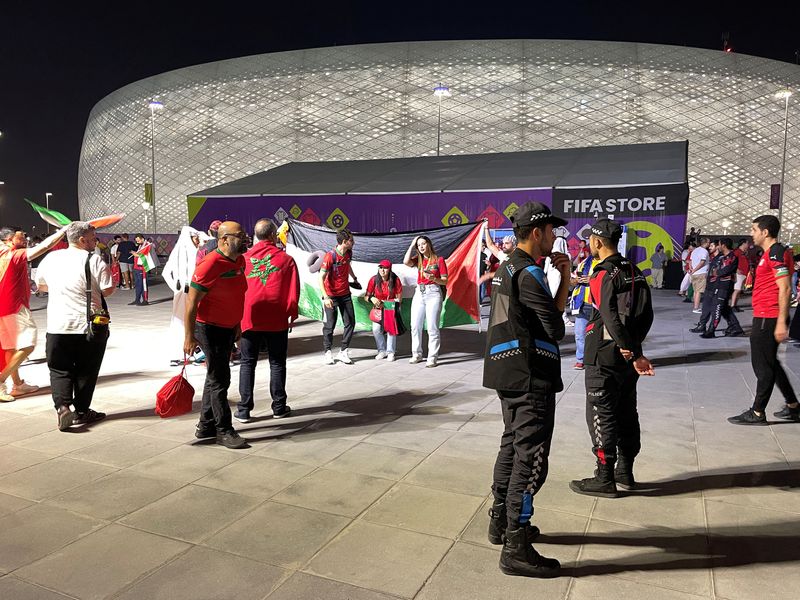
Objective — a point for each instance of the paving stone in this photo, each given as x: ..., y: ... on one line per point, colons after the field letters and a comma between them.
x: 102, y: 563
x: 51, y: 478
x: 301, y: 585
x: 185, y: 463
x: 14, y: 459
x: 201, y: 573
x: 410, y: 437
x: 472, y: 572
x: 591, y: 588
x: 58, y: 443
x: 12, y: 430
x: 278, y: 534
x: 345, y: 494
x: 424, y: 510
x: 115, y: 495
x: 380, y: 558
x: 193, y: 513
x: 34, y: 532
x: 453, y: 474
x: 378, y: 461
x: 255, y: 476
x: 10, y: 504
x: 15, y: 589
x: 314, y: 450
x: 124, y: 450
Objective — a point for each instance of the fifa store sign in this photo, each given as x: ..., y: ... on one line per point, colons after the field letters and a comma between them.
x: 598, y: 206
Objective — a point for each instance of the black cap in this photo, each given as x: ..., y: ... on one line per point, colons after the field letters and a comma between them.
x: 535, y: 213
x: 606, y: 228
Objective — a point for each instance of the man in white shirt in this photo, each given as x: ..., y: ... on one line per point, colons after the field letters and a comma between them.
x: 699, y: 271
x: 73, y: 359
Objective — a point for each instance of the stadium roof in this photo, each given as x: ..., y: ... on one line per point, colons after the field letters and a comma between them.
x: 599, y: 166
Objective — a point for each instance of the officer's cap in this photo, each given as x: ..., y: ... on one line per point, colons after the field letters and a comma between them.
x: 607, y: 228
x: 535, y: 213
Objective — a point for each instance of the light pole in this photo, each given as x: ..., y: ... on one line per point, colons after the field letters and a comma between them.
x: 440, y: 91
x: 47, y: 204
x: 725, y: 224
x: 783, y: 95
x: 154, y: 106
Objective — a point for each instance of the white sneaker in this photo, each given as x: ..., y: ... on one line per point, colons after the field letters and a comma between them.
x: 4, y: 395
x: 697, y: 311
x: 344, y: 356
x: 390, y: 357
x: 415, y: 359
x: 328, y: 360
x: 23, y: 388
x: 431, y: 362
x: 380, y: 355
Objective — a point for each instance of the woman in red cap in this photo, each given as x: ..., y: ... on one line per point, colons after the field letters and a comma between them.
x: 384, y: 286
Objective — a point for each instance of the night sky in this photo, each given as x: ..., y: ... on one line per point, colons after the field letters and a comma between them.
x: 57, y: 61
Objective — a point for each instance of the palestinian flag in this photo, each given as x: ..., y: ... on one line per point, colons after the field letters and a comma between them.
x: 145, y: 258
x: 58, y: 220
x: 460, y: 245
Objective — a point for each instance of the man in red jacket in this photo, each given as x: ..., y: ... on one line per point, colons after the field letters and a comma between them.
x: 270, y: 307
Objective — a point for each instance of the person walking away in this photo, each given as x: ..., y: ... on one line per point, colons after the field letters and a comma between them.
x: 699, y: 271
x: 177, y: 275
x: 334, y: 281
x: 724, y: 266
x: 125, y: 250
x: 621, y: 319
x: 743, y: 268
x: 657, y: 264
x: 18, y: 332
x: 270, y: 308
x: 384, y: 287
x: 770, y: 324
x: 426, y: 305
x: 523, y: 364
x: 74, y: 278
x: 581, y: 305
x: 214, y: 310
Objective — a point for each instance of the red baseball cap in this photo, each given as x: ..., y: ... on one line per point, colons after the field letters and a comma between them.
x: 385, y: 263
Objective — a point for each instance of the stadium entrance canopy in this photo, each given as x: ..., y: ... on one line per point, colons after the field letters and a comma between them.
x: 645, y: 186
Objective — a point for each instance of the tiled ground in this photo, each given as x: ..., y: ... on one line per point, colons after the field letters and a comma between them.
x: 378, y: 486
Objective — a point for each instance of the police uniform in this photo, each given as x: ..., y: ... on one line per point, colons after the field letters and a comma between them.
x: 621, y: 317
x: 522, y: 362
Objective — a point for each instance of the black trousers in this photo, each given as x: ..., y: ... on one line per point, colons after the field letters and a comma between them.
x: 766, y: 366
x: 722, y: 310
x: 217, y: 343
x: 343, y: 304
x: 74, y: 365
x: 611, y: 413
x: 794, y: 327
x: 277, y: 343
x: 138, y: 284
x: 522, y: 462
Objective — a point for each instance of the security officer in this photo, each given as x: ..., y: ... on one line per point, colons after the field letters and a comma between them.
x: 522, y: 362
x: 622, y: 316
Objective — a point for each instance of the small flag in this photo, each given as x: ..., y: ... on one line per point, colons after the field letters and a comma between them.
x: 53, y: 217
x: 144, y: 258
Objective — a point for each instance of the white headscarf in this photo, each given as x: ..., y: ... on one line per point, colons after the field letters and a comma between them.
x: 181, y: 262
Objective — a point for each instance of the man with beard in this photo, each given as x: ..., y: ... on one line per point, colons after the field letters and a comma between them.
x: 622, y: 316
x: 214, y: 312
x: 719, y: 289
x: 522, y: 362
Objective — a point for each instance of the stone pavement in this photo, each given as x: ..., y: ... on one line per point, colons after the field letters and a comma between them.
x: 378, y: 486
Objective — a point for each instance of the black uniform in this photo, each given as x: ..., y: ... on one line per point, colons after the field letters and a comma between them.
x: 721, y: 277
x: 522, y: 362
x: 622, y: 316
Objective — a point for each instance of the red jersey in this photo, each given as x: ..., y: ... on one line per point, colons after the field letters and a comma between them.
x: 223, y: 281
x: 435, y: 267
x: 337, y: 268
x: 743, y: 266
x: 381, y: 291
x: 775, y: 264
x: 15, y: 290
x: 273, y: 288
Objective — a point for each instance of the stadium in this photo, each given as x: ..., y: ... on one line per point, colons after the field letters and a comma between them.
x: 227, y: 120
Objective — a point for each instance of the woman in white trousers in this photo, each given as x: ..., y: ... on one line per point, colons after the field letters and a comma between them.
x: 426, y: 306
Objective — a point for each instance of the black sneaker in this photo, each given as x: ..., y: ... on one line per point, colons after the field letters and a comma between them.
x: 134, y: 303
x: 788, y: 413
x: 65, y: 418
x: 205, y: 433
x: 144, y: 303
x: 231, y: 439
x: 748, y: 417
x: 284, y: 413
x: 737, y: 333
x: 707, y: 335
x: 698, y: 329
x: 90, y: 416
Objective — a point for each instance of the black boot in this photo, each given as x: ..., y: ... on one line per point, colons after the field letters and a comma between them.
x: 518, y: 557
x: 623, y: 473
x: 498, y: 523
x: 602, y: 484
x: 698, y: 328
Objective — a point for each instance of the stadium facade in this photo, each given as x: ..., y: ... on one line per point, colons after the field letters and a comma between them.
x: 225, y: 120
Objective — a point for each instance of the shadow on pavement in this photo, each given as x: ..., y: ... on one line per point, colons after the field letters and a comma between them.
x: 698, y: 357
x: 756, y: 476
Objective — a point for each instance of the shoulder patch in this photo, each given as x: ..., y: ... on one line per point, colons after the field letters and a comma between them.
x: 539, y: 276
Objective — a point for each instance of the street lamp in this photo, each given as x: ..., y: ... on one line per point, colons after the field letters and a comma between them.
x: 783, y: 95
x: 154, y: 106
x: 725, y: 224
x: 440, y: 91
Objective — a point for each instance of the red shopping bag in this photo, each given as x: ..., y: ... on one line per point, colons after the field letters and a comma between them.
x: 175, y: 398
x: 115, y: 273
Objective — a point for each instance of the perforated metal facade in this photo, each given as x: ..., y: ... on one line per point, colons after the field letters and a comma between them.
x: 229, y: 119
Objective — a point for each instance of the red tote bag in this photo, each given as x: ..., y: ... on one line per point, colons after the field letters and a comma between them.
x: 175, y: 398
